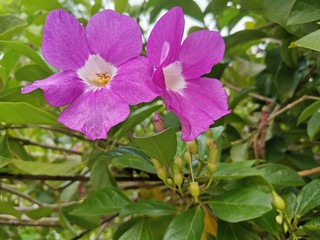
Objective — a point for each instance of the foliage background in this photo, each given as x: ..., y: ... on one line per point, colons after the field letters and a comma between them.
x: 56, y: 184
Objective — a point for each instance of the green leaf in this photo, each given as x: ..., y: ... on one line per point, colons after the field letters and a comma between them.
x: 308, y: 198
x: 239, y: 152
x: 241, y: 204
x: 313, y: 126
x: 134, y: 119
x: 188, y: 226
x: 45, y: 168
x: 34, y: 98
x: 105, y: 201
x: 28, y: 52
x: 236, y: 170
x: 310, y: 41
x: 120, y: 5
x: 161, y: 146
x: 31, y: 73
x: 235, y: 231
x: 9, y: 25
x: 280, y: 175
x: 9, y: 209
x: 268, y: 222
x: 148, y: 207
x: 39, y: 213
x: 23, y: 113
x: 314, y: 107
x: 304, y: 11
x: 140, y: 230
x: 100, y: 175
x: 241, y: 37
x: 38, y: 5
x: 4, y: 161
x: 278, y: 11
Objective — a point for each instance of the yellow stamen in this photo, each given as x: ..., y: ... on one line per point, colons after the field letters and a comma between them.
x: 101, y: 79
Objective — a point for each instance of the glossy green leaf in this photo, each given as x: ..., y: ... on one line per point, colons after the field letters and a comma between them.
x: 34, y: 98
x: 120, y: 5
x: 100, y: 175
x: 278, y: 11
x: 241, y: 204
x: 188, y: 225
x: 9, y: 25
x: 104, y: 201
x: 161, y: 146
x: 243, y: 37
x: 235, y: 231
x: 23, y: 113
x: 9, y: 209
x: 313, y: 125
x: 280, y: 175
x: 31, y: 73
x: 308, y: 198
x: 39, y: 213
x: 236, y: 170
x: 310, y: 41
x: 306, y: 113
x: 304, y: 11
x: 28, y: 52
x: 134, y: 119
x: 4, y: 161
x: 148, y: 207
x: 268, y: 222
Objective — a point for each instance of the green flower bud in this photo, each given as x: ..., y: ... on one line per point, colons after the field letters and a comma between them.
x: 156, y: 163
x: 212, y: 167
x: 209, y: 139
x: 187, y: 157
x: 213, y: 154
x: 178, y: 179
x: 193, y: 147
x: 162, y: 173
x: 178, y: 163
x: 279, y: 219
x: 278, y: 202
x: 194, y: 191
x: 169, y: 181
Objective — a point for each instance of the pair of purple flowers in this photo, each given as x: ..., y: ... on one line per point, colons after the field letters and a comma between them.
x: 102, y: 72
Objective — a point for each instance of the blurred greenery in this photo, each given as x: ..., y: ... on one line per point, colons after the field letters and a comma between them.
x: 57, y: 184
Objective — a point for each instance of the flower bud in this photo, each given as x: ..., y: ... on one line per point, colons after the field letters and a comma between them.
x: 212, y: 167
x: 278, y: 202
x: 193, y: 147
x: 194, y: 191
x: 169, y: 181
x: 156, y: 163
x: 162, y: 173
x: 209, y: 139
x: 279, y: 219
x: 213, y: 155
x: 187, y: 157
x: 178, y: 163
x: 178, y: 179
x: 158, y: 122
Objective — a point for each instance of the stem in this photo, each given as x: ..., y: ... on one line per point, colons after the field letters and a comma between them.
x: 24, y: 221
x: 309, y: 172
x: 190, y: 166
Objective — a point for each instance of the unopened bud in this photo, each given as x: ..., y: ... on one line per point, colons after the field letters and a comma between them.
x: 156, y: 163
x: 212, y: 167
x: 178, y: 179
x: 187, y: 157
x: 162, y: 173
x: 279, y: 219
x: 194, y: 191
x: 178, y: 163
x: 193, y: 147
x: 169, y: 181
x: 213, y: 154
x: 158, y: 122
x: 278, y: 202
x: 209, y: 139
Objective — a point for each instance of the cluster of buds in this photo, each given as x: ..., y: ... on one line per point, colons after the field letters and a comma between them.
x: 162, y: 172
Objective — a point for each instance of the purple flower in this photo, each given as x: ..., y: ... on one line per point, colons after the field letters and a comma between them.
x: 101, y: 71
x: 197, y: 101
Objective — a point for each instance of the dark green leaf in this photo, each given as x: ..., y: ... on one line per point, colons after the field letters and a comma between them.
x: 161, y: 146
x: 23, y: 113
x: 308, y: 198
x: 9, y: 209
x: 241, y: 204
x: 313, y: 125
x: 148, y: 207
x: 100, y: 175
x: 104, y: 201
x: 311, y: 109
x: 236, y: 170
x: 304, y: 11
x: 268, y: 222
x: 188, y: 226
x: 31, y: 73
x: 235, y: 231
x: 39, y: 213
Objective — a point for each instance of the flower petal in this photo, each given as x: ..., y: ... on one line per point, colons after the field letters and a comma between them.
x: 165, y: 39
x: 202, y: 102
x: 64, y: 41
x: 133, y: 82
x: 59, y: 89
x: 199, y: 52
x: 116, y: 37
x: 95, y: 112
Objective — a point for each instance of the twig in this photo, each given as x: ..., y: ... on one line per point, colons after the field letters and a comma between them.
x: 24, y: 221
x: 28, y: 142
x: 309, y: 172
x: 103, y: 221
x: 254, y: 95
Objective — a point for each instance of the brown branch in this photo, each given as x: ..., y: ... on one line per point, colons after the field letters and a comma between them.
x: 24, y: 221
x: 28, y: 142
x: 309, y: 172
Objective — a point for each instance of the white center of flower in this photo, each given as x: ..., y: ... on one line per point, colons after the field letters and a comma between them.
x: 96, y: 72
x: 173, y: 77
